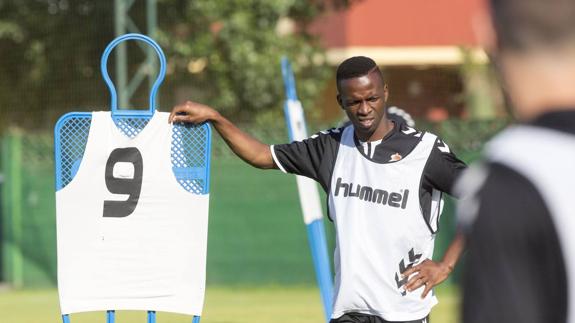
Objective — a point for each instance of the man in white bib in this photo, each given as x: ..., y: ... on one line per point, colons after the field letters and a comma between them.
x: 384, y: 182
x: 518, y: 214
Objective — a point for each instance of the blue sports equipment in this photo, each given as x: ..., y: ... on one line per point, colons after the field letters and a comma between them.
x: 309, y: 197
x: 190, y: 150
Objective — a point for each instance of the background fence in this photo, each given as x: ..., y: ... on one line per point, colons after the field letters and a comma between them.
x: 256, y: 235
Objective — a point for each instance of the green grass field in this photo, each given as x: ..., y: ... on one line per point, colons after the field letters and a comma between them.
x: 223, y: 305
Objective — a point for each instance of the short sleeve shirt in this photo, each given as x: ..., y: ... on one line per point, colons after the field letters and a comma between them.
x: 315, y: 158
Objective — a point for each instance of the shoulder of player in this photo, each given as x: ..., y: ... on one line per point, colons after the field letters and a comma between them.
x: 410, y: 137
x: 439, y: 145
x: 504, y: 191
x: 407, y: 136
x: 332, y: 134
x: 408, y: 131
x: 404, y: 130
x: 503, y: 180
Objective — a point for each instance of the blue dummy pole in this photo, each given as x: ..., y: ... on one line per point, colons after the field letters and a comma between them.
x: 308, y: 194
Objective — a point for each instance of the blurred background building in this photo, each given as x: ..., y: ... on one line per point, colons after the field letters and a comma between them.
x: 427, y: 50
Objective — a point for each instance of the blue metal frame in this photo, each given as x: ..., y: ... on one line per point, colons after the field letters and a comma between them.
x: 111, y: 317
x: 57, y: 143
x: 110, y: 84
x: 208, y: 159
x: 116, y: 115
x: 315, y: 230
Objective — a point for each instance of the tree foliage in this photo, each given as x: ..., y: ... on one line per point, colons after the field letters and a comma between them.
x: 231, y: 51
x: 50, y: 51
x: 223, y: 53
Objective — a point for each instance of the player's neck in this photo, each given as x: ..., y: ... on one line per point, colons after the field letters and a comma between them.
x: 538, y: 83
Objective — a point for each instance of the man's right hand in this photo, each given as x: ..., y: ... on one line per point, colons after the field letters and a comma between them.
x: 242, y: 144
x: 192, y: 112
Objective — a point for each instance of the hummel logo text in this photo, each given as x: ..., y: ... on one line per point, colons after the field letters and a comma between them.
x: 369, y: 194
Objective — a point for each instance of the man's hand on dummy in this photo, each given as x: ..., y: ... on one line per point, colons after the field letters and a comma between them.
x: 192, y: 112
x: 428, y: 273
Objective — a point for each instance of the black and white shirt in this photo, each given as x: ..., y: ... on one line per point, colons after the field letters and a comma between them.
x: 519, y: 220
x: 315, y: 158
x: 385, y: 201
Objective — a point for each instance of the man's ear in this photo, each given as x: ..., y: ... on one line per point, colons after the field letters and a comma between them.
x: 385, y: 92
x: 339, y: 101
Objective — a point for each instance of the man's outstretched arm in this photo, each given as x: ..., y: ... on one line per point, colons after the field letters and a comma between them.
x: 251, y: 150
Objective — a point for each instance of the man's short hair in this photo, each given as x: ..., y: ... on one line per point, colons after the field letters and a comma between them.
x: 522, y: 25
x: 355, y: 67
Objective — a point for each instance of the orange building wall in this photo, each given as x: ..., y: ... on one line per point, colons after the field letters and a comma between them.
x: 400, y: 23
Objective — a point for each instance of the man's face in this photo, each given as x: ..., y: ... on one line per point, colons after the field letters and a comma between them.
x: 363, y: 99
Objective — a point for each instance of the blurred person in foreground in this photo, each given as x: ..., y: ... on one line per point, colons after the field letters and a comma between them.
x: 384, y: 182
x: 519, y: 207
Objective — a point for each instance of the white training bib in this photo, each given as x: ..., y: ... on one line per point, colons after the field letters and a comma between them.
x: 381, y: 231
x: 547, y: 159
x: 129, y: 236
